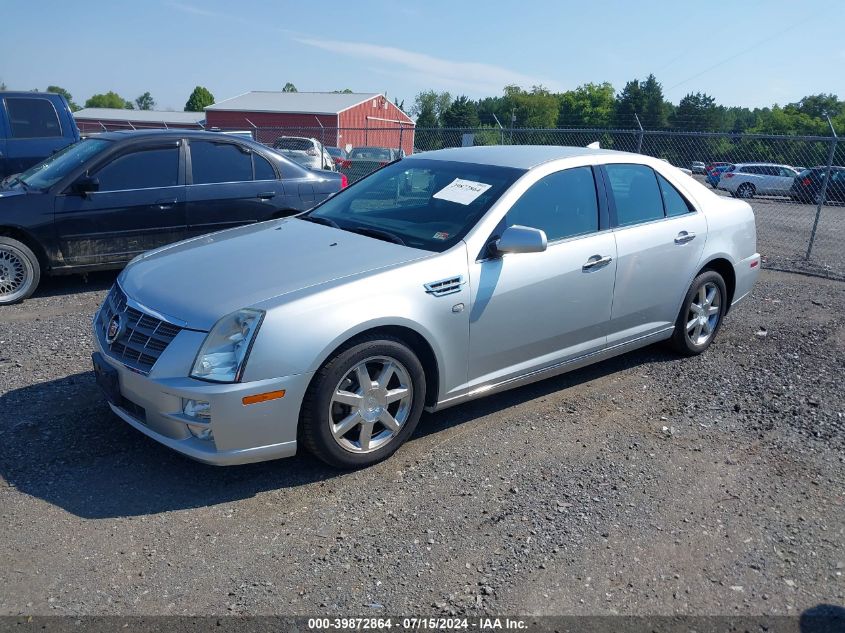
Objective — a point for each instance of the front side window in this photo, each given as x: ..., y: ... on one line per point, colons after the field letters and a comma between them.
x: 562, y: 204
x: 219, y: 162
x: 635, y: 193
x: 32, y: 118
x: 142, y: 169
x: 786, y: 172
x: 426, y: 204
x: 674, y: 203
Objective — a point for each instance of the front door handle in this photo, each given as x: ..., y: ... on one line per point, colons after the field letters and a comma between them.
x: 596, y: 261
x: 266, y: 195
x: 164, y: 205
x: 684, y: 237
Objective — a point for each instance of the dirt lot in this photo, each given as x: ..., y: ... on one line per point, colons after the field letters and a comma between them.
x: 644, y: 485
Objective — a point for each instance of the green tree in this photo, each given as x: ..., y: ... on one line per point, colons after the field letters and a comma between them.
x: 654, y: 114
x: 698, y: 112
x: 820, y: 106
x: 2, y: 85
x: 345, y: 91
x: 289, y: 87
x: 535, y: 108
x: 429, y: 107
x: 199, y: 99
x: 68, y: 97
x: 398, y: 104
x: 145, y: 101
x: 109, y: 100
x: 590, y: 105
x: 461, y: 113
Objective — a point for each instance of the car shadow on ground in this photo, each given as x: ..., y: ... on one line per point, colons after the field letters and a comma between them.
x: 62, y: 444
x: 73, y: 284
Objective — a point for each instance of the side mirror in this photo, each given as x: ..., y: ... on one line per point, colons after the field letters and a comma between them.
x: 521, y: 239
x: 85, y: 184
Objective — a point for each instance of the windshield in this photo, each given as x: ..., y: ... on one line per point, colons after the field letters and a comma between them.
x: 298, y: 144
x: 51, y: 170
x: 370, y: 153
x: 427, y: 204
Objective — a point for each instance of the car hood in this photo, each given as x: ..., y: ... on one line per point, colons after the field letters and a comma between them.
x: 12, y: 193
x: 203, y: 279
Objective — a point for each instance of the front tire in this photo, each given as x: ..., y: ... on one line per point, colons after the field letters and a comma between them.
x: 364, y: 403
x: 20, y: 271
x: 745, y: 190
x: 701, y: 314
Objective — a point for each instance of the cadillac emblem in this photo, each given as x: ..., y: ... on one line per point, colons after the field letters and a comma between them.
x: 115, y: 329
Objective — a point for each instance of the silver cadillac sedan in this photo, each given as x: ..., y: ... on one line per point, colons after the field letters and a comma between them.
x: 442, y: 277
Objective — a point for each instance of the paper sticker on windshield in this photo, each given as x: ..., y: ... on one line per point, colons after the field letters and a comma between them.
x: 440, y: 235
x: 461, y: 191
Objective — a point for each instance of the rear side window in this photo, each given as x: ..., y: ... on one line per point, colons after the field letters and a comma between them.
x: 263, y: 169
x: 144, y: 169
x: 635, y: 193
x: 32, y: 118
x: 673, y: 201
x: 562, y: 204
x: 219, y: 162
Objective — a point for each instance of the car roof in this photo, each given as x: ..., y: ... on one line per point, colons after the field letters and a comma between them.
x: 518, y: 156
x: 121, y: 135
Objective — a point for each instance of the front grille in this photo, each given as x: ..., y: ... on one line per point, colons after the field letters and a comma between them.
x: 143, y: 337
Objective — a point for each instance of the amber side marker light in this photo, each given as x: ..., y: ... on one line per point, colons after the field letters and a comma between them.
x: 263, y: 397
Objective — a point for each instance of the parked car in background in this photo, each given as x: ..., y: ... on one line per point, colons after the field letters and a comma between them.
x: 714, y: 172
x: 364, y: 160
x: 33, y: 125
x: 446, y: 276
x: 102, y: 201
x: 338, y: 154
x: 698, y: 167
x: 308, y: 152
x: 807, y: 186
x: 746, y: 180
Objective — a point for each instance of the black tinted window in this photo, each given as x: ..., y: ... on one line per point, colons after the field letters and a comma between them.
x: 143, y: 169
x: 673, y: 201
x: 263, y: 168
x: 219, y: 162
x: 32, y: 118
x: 562, y: 204
x: 636, y: 194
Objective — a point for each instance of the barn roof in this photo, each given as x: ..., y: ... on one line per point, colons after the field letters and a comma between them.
x: 140, y: 116
x: 294, y: 102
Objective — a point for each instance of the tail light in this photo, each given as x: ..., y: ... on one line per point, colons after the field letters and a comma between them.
x: 806, y: 182
x: 345, y: 163
x: 344, y: 181
x: 727, y: 175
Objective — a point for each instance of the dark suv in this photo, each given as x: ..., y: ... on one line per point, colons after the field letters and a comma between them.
x: 33, y: 125
x: 104, y: 200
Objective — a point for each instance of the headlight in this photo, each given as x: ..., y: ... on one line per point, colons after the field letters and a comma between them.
x: 223, y: 353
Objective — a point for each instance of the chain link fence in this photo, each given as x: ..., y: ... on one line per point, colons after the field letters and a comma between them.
x: 792, y: 182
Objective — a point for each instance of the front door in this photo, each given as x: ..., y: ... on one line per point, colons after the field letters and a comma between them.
x: 140, y: 205
x: 659, y: 241
x: 531, y: 311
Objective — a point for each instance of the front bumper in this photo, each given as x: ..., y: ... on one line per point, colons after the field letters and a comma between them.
x: 241, y: 434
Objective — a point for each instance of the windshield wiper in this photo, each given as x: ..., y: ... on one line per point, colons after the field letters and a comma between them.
x: 378, y: 234
x: 316, y: 219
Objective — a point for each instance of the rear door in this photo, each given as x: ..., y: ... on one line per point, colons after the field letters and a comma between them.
x: 140, y: 205
x: 34, y: 132
x: 223, y: 190
x: 659, y: 241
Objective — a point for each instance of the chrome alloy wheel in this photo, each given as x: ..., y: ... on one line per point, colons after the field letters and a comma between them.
x: 704, y: 312
x: 14, y: 272
x: 370, y: 404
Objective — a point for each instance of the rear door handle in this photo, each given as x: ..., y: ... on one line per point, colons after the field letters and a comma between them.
x: 266, y: 195
x: 596, y: 261
x: 684, y: 237
x: 164, y: 205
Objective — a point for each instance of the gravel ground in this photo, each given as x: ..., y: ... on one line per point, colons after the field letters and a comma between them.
x: 646, y: 484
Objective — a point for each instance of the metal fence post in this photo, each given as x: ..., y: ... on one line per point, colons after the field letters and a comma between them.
x: 401, y: 129
x: 639, y: 135
x: 823, y: 192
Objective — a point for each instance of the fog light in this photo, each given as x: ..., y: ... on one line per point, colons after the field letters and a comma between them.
x: 201, y: 431
x: 199, y: 409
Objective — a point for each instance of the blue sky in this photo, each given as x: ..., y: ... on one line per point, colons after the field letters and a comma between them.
x: 754, y: 53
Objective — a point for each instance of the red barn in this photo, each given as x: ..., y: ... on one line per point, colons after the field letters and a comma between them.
x: 334, y: 118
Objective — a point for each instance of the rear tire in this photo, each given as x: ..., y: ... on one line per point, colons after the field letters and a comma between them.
x: 746, y: 190
x: 363, y: 403
x: 701, y: 314
x: 20, y: 271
